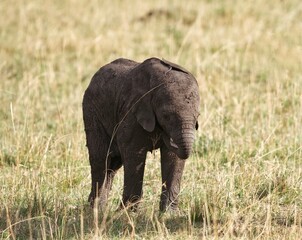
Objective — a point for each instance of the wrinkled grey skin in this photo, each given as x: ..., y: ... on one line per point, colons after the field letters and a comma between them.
x: 131, y: 108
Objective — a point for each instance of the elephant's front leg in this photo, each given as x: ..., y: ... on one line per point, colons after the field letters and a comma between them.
x: 172, y: 169
x: 134, y: 165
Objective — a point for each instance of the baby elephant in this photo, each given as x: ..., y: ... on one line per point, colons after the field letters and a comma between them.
x: 131, y: 108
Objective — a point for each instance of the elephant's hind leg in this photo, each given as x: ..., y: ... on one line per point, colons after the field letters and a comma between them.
x: 97, y: 145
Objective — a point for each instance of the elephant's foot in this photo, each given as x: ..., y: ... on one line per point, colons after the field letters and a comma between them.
x: 97, y: 201
x: 167, y: 203
x: 130, y: 203
x: 91, y: 198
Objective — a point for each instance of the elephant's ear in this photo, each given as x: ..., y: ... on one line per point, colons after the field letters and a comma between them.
x: 145, y: 115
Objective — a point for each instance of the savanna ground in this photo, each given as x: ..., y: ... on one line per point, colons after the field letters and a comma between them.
x: 244, y: 180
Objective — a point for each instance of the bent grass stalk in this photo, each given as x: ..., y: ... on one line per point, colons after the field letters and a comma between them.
x: 120, y: 122
x: 115, y: 130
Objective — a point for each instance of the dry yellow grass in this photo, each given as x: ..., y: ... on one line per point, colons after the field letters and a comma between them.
x: 244, y: 179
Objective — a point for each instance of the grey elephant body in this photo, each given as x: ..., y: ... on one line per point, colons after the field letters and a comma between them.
x: 131, y: 108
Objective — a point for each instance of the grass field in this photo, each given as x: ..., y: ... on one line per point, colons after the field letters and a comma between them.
x: 244, y: 180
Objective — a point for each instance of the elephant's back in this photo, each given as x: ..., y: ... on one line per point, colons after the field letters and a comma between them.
x: 112, y: 73
x: 102, y: 93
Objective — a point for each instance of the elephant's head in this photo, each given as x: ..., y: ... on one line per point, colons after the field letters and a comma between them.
x: 173, y: 105
x: 176, y: 107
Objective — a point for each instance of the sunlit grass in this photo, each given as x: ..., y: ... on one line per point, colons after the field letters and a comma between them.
x: 244, y: 178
